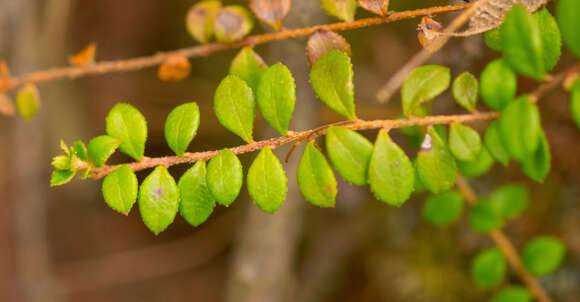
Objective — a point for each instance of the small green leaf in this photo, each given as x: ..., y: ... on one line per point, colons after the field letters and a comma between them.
x: 551, y: 38
x: 80, y: 150
x: 350, y: 153
x: 120, y: 189
x: 276, y: 97
x: 543, y: 255
x: 466, y: 90
x: 422, y: 85
x: 101, y: 148
x: 464, y: 142
x: 510, y: 200
x: 249, y: 66
x: 232, y: 23
x: 493, y: 39
x: 196, y: 202
x: 522, y: 43
x: 567, y: 15
x: 200, y: 20
x: 537, y: 166
x: 61, y: 177
x: 331, y: 78
x: 391, y: 174
x: 234, y: 106
x: 342, y: 9
x: 316, y: 179
x: 435, y: 164
x: 128, y: 124
x: 484, y: 218
x: 28, y: 101
x: 498, y: 84
x: 443, y: 209
x: 513, y: 294
x: 520, y: 128
x: 267, y: 183
x: 181, y: 126
x: 488, y: 268
x: 575, y: 102
x: 494, y: 143
x: 481, y: 165
x: 61, y: 162
x: 225, y: 177
x: 158, y: 200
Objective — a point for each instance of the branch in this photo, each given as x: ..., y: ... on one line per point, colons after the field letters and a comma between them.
x: 296, y: 136
x: 72, y: 72
x: 506, y: 247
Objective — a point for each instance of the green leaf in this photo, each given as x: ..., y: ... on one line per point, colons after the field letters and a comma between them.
x: 464, y: 142
x: 225, y: 177
x: 28, y: 101
x: 414, y: 135
x: 513, y: 294
x: 391, y: 174
x: 567, y: 15
x: 80, y: 150
x: 158, y: 200
x: 120, y: 189
x: 522, y: 43
x: 200, y: 20
x: 575, y: 102
x: 488, y: 268
x: 537, y: 166
x: 101, y: 148
x: 234, y: 106
x: 422, y: 85
x: 350, y: 153
x: 484, y: 218
x: 419, y: 186
x: 493, y: 39
x: 551, y: 38
x: 543, y: 255
x: 276, y: 97
x: 61, y: 162
x: 481, y: 165
x: 249, y: 66
x: 181, y: 126
x: 498, y: 84
x: 342, y: 9
x: 510, y: 200
x: 267, y: 183
x: 520, y: 128
x: 61, y: 177
x: 494, y: 143
x: 196, y: 202
x: 443, y: 209
x: 331, y: 78
x: 315, y: 178
x: 466, y: 90
x: 128, y: 124
x: 435, y: 164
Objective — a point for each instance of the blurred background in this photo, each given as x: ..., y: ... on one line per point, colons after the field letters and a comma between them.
x: 65, y: 244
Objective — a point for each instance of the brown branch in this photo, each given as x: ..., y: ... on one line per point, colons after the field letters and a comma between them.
x: 133, y: 64
x: 506, y: 247
x: 553, y: 81
x: 296, y: 136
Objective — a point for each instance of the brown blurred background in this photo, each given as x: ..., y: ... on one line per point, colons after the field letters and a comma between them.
x: 65, y: 244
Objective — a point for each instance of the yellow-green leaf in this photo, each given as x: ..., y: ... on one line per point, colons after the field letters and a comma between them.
x: 101, y: 148
x: 350, y: 154
x: 225, y: 177
x: 200, y: 19
x: 315, y: 178
x: 28, y: 101
x: 195, y: 201
x: 422, y: 85
x: 464, y: 142
x: 234, y: 106
x: 61, y: 177
x: 342, y: 9
x: 466, y: 90
x: 435, y: 165
x: 267, y: 183
x: 158, y: 200
x: 181, y: 126
x: 126, y: 123
x: 120, y: 189
x: 249, y: 66
x: 276, y: 97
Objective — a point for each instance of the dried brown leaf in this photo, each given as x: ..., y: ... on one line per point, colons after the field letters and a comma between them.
x: 491, y: 14
x: 85, y: 56
x: 175, y: 68
x: 428, y: 30
x: 232, y: 23
x: 271, y: 12
x: 378, y: 7
x: 323, y: 41
x: 6, y: 105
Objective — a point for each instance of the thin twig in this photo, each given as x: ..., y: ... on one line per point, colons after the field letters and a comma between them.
x: 296, y: 136
x: 506, y: 247
x: 205, y: 50
x: 553, y: 81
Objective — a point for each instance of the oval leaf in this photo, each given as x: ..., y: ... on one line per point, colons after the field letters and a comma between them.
x: 28, y: 101
x: 232, y: 23
x: 443, y: 209
x: 488, y: 268
x: 101, y: 148
x: 350, y: 154
x: 120, y: 189
x: 249, y: 66
x: 379, y: 7
x: 498, y: 84
x: 267, y: 183
x: 234, y: 106
x: 538, y: 165
x: 271, y: 12
x: 551, y: 38
x: 513, y: 294
x: 436, y: 166
x: 128, y: 124
x: 484, y: 218
x: 315, y: 178
x: 276, y: 97
x: 492, y: 39
x: 342, y: 9
x: 543, y: 255
x: 225, y: 177
x: 331, y: 78
x: 567, y: 15
x: 61, y: 177
x: 465, y: 91
x: 175, y: 68
x: 200, y: 19
x: 195, y: 201
x: 181, y: 126
x: 158, y: 200
x: 475, y: 168
x: 520, y: 128
x: 464, y: 142
x: 494, y: 143
x: 324, y: 41
x: 510, y: 200
x: 391, y: 174
x: 422, y: 85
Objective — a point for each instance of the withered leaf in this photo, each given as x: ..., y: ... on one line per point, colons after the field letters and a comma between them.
x: 175, y: 68
x: 85, y: 56
x: 271, y: 12
x: 379, y: 7
x: 323, y: 41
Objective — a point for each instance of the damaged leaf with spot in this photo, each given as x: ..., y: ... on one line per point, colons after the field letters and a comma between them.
x: 324, y: 41
x: 271, y: 12
x: 200, y: 19
x: 158, y: 200
x: 232, y: 23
